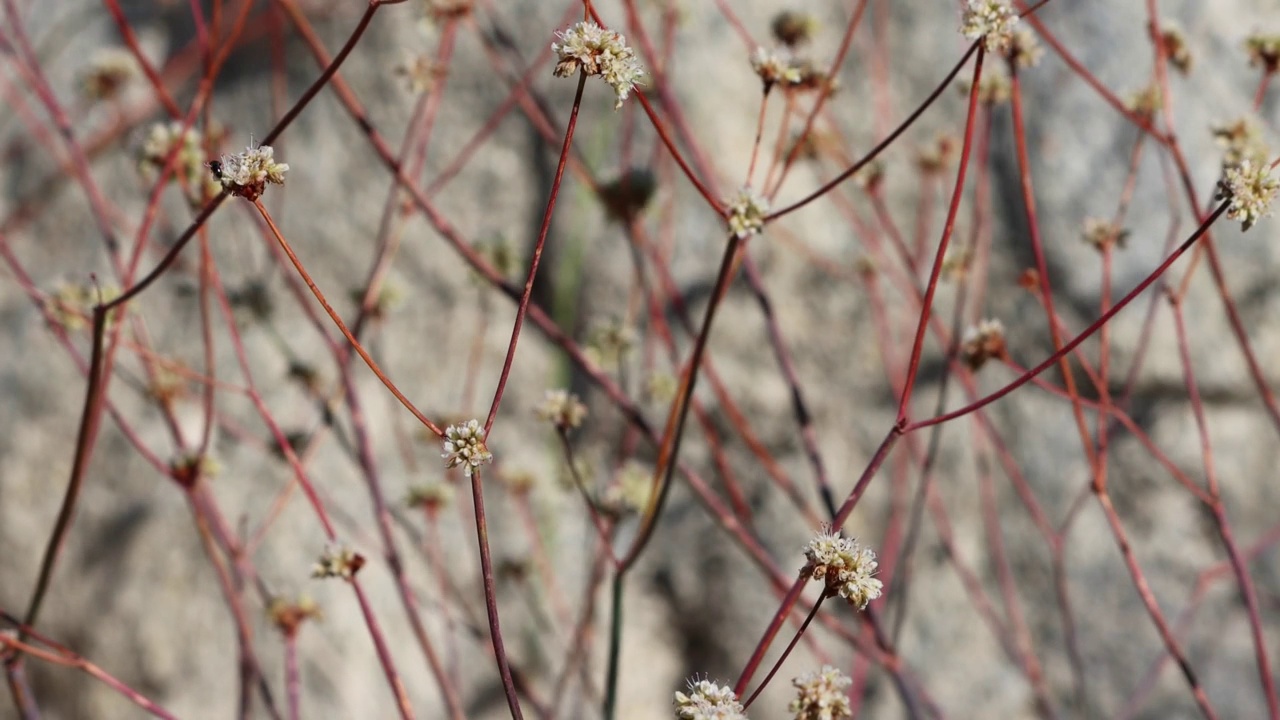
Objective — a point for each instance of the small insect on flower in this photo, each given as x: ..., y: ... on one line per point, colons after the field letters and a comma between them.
x: 246, y: 174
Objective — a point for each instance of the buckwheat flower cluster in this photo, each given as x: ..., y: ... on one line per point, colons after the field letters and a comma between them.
x: 190, y: 168
x: 821, y: 695
x: 708, y: 701
x: 343, y: 563
x: 562, y: 409
x: 464, y: 445
x: 990, y: 20
x: 775, y: 67
x: 1145, y: 102
x: 982, y: 342
x: 1176, y: 49
x: 1024, y: 50
x: 847, y: 568
x: 1103, y: 234
x: 246, y: 174
x: 109, y: 70
x: 1264, y: 51
x: 1240, y: 139
x: 1251, y: 188
x: 746, y: 213
x: 596, y: 51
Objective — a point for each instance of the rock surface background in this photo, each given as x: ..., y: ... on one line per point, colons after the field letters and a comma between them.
x: 135, y: 592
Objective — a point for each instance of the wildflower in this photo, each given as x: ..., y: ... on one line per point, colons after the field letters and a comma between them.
x: 344, y: 563
x: 1251, y: 188
x: 419, y: 72
x: 633, y: 489
x: 708, y: 701
x: 161, y: 140
x: 846, y: 567
x: 661, y: 387
x: 991, y: 21
x: 110, y: 69
x: 464, y: 445
x: 71, y: 306
x: 938, y: 155
x: 993, y: 89
x: 289, y: 616
x: 775, y: 66
x: 1145, y: 102
x: 430, y: 497
x: 869, y: 176
x: 610, y: 342
x: 813, y: 77
x: 1024, y: 50
x: 793, y: 28
x: 187, y: 469
x: 955, y: 264
x: 597, y: 51
x: 562, y: 409
x: 1241, y: 140
x: 1176, y: 49
x: 821, y: 695
x: 982, y: 342
x: 746, y: 213
x: 1103, y: 234
x: 1264, y: 51
x: 246, y: 174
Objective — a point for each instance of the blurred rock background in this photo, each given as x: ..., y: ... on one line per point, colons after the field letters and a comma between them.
x: 135, y: 592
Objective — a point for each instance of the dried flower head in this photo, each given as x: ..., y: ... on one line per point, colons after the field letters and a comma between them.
x: 1176, y: 49
x: 597, y: 51
x: 109, y: 70
x: 1146, y: 102
x: 821, y: 695
x: 991, y: 21
x: 845, y: 567
x: 745, y: 213
x: 246, y: 174
x: 1241, y: 139
x: 708, y: 701
x: 812, y: 78
x: 775, y: 66
x: 793, y: 28
x: 1251, y: 188
x: 1103, y: 234
x: 464, y: 445
x: 344, y: 563
x: 1264, y: 51
x: 1024, y: 49
x: 982, y: 342
x: 562, y: 409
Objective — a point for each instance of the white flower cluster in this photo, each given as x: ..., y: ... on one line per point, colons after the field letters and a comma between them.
x: 776, y: 66
x: 464, y: 445
x: 821, y: 695
x: 596, y: 51
x: 847, y: 568
x: 990, y: 20
x: 708, y: 701
x: 251, y: 169
x: 746, y: 213
x: 1251, y: 188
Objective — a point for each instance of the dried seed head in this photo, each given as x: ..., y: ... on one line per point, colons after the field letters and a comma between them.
x: 1264, y: 51
x: 1176, y: 49
x: 109, y: 70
